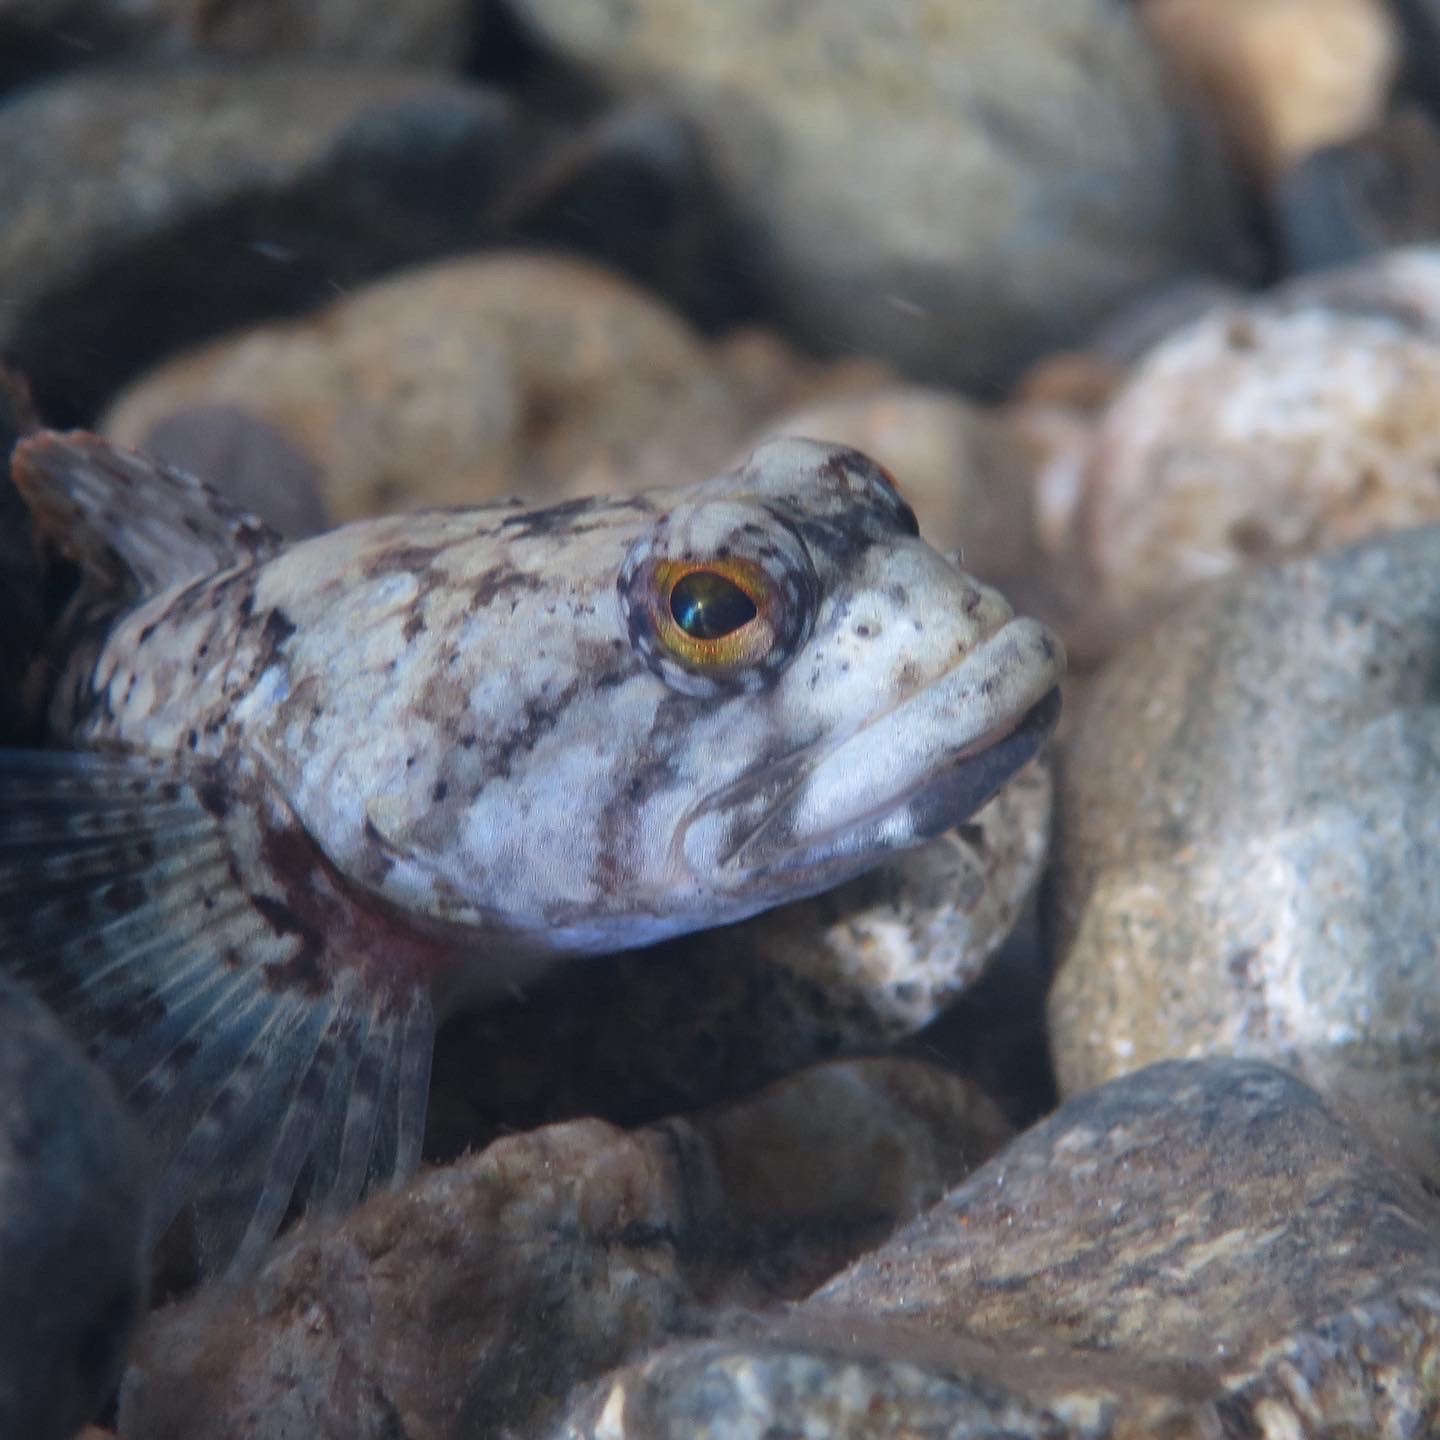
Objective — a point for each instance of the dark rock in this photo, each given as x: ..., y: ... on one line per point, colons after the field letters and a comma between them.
x: 1356, y: 200
x: 37, y: 36
x: 72, y: 1197
x: 472, y: 1302
x: 148, y: 209
x: 1200, y: 1250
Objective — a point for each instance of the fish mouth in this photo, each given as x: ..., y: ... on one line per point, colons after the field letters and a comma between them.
x: 925, y: 765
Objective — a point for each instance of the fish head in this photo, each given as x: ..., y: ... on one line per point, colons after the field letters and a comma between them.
x: 853, y: 691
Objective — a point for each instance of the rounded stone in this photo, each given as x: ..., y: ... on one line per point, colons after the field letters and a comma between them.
x: 955, y: 188
x: 493, y: 374
x: 73, y: 1184
x: 1250, y: 807
x: 1254, y: 433
x: 474, y: 1300
x: 1285, y: 77
x: 149, y: 208
x: 1198, y: 1250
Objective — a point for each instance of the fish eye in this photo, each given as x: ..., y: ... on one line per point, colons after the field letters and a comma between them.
x: 707, y: 605
x: 714, y: 616
x: 718, y: 596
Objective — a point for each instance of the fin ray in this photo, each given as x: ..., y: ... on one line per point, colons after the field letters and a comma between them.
x: 133, y: 524
x: 267, y: 1032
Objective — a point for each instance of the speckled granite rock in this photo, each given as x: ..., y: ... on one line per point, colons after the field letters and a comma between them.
x: 72, y: 1195
x: 1286, y: 77
x: 490, y: 375
x: 1402, y: 286
x: 1200, y: 1250
x: 643, y: 1034
x: 1251, y: 816
x: 478, y: 1297
x: 954, y: 188
x: 147, y: 208
x: 1256, y: 432
x: 420, y: 32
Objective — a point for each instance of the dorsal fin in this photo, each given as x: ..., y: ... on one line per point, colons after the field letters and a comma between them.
x: 134, y: 525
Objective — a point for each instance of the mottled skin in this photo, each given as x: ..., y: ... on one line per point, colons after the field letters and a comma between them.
x: 453, y: 706
x: 320, y: 793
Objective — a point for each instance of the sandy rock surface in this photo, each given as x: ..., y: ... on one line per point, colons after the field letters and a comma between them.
x: 1250, y: 827
x: 1199, y: 1249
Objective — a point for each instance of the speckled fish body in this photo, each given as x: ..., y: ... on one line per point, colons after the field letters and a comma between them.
x: 417, y: 758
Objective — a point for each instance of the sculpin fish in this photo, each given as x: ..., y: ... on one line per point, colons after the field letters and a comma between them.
x: 321, y: 793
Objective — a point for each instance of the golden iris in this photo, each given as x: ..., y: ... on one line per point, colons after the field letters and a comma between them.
x: 716, y: 616
x: 707, y: 606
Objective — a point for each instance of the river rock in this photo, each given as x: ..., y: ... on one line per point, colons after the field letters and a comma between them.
x: 1359, y: 199
x: 22, y: 641
x: 957, y: 189
x: 1402, y: 285
x: 635, y: 1036
x: 1251, y: 816
x: 149, y: 208
x: 435, y: 33
x: 475, y: 1299
x: 490, y: 375
x: 1199, y: 1250
x: 1257, y: 432
x: 247, y: 461
x: 1286, y: 77
x: 73, y: 1182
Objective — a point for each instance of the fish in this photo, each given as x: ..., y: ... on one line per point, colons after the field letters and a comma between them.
x: 305, y: 799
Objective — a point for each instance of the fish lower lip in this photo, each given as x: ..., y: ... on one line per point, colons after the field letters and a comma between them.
x: 900, y: 779
x: 947, y: 797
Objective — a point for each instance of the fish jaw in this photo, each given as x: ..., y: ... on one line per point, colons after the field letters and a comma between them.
x: 909, y: 773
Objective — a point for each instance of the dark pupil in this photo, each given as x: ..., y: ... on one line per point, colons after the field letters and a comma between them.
x: 706, y: 605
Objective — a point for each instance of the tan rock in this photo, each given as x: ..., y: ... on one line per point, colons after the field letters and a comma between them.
x: 490, y: 375
x: 1286, y: 77
x: 1255, y: 433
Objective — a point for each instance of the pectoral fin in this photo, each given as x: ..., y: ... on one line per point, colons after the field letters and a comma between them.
x: 271, y: 1031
